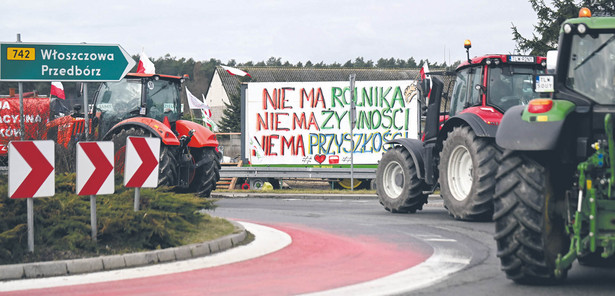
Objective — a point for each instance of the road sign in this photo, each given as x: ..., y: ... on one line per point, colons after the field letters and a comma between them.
x: 63, y: 62
x: 31, y: 169
x: 95, y: 168
x: 141, y: 165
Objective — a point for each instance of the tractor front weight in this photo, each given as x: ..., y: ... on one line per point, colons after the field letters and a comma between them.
x: 593, y: 228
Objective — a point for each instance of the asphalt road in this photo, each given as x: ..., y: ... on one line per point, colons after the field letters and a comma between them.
x: 333, y: 246
x: 366, y: 219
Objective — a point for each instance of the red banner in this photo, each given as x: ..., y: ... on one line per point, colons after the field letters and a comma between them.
x: 36, y: 116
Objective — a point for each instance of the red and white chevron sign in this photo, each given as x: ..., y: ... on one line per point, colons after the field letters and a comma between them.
x: 31, y: 169
x: 141, y: 165
x: 95, y: 168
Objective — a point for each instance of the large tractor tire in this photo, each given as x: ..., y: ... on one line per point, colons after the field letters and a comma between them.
x: 397, y: 184
x: 529, y: 232
x: 207, y: 174
x: 468, y: 165
x: 168, y: 163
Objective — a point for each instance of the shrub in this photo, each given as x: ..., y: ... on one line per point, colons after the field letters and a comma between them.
x: 62, y: 222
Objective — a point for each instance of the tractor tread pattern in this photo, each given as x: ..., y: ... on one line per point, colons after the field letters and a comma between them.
x: 519, y: 219
x: 412, y: 199
x: 479, y: 207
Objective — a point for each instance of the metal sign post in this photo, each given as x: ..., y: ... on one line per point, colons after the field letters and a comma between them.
x: 22, y: 133
x: 353, y: 122
x: 93, y: 220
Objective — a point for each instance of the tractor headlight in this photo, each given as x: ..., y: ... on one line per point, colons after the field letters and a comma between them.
x: 567, y: 28
x: 582, y: 28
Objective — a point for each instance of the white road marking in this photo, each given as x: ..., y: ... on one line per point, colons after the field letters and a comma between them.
x: 267, y: 240
x: 444, y: 261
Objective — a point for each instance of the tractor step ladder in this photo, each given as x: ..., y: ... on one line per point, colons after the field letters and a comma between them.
x: 228, y: 183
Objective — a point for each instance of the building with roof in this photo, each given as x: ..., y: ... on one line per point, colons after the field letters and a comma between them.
x: 224, y: 85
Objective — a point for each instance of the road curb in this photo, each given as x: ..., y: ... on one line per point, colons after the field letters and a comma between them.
x: 104, y: 263
x: 277, y: 195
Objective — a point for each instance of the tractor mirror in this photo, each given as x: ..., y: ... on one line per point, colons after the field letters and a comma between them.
x: 551, y: 61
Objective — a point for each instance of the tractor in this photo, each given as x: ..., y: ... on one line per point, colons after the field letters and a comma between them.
x: 147, y: 105
x: 554, y: 193
x: 457, y: 153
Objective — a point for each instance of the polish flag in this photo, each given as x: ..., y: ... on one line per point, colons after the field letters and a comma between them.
x: 145, y: 65
x: 424, y: 75
x: 57, y: 89
x: 235, y: 71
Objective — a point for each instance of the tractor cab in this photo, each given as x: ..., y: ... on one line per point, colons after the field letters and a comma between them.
x: 137, y: 95
x: 496, y: 81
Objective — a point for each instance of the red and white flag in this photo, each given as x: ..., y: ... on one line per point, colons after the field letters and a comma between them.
x: 57, y: 89
x: 424, y: 75
x: 235, y: 71
x: 145, y: 65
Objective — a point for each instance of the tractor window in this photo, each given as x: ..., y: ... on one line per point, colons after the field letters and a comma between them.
x: 476, y: 78
x: 458, y: 98
x: 119, y: 101
x: 591, y: 70
x: 510, y: 86
x: 162, y: 99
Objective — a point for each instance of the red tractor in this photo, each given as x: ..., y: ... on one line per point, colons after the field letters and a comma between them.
x: 458, y: 153
x: 148, y: 105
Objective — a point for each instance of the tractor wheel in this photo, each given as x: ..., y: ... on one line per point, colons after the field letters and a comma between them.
x: 468, y: 165
x: 397, y: 184
x: 345, y: 184
x: 167, y: 162
x: 528, y: 231
x: 207, y: 174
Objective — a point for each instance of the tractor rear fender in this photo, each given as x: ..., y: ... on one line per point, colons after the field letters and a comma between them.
x: 156, y: 127
x: 478, y: 125
x: 416, y: 150
x: 517, y: 134
x: 202, y: 137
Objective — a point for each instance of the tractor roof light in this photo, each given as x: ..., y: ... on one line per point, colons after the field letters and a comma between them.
x: 582, y: 28
x: 585, y: 12
x: 467, y: 44
x: 488, y: 62
x: 540, y: 105
x: 497, y: 62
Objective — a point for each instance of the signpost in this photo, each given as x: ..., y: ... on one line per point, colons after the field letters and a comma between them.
x: 141, y: 165
x: 94, y: 174
x: 31, y: 174
x: 63, y: 62
x: 95, y: 168
x: 55, y: 62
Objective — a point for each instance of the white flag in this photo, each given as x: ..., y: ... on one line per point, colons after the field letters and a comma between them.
x: 194, y: 102
x: 257, y: 148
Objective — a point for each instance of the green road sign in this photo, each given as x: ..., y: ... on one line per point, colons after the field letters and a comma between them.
x: 63, y: 62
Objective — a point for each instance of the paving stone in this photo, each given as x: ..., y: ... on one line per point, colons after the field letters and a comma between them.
x: 84, y: 265
x: 113, y: 262
x: 44, y: 269
x: 11, y: 272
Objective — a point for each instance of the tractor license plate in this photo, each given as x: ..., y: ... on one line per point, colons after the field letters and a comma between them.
x: 544, y: 83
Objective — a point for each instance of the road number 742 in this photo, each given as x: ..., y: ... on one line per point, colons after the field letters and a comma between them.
x: 20, y: 53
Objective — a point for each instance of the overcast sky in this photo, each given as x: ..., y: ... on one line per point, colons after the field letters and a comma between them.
x: 294, y: 30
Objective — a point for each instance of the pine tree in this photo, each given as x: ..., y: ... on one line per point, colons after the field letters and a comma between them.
x: 550, y: 18
x: 231, y: 119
